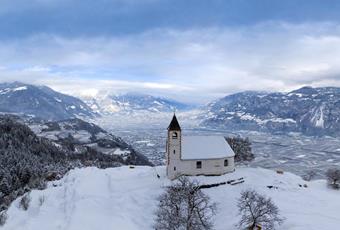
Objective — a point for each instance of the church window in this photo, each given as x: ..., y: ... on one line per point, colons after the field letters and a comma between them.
x: 174, y: 151
x: 198, y: 164
x: 174, y: 135
x: 174, y: 168
x: 225, y: 162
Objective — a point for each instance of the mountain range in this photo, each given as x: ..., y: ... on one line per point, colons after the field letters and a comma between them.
x: 130, y: 103
x: 42, y: 102
x: 311, y: 111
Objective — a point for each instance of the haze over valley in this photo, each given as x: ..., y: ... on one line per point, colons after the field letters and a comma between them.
x: 283, y: 135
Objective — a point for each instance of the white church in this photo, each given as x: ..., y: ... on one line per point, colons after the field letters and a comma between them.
x: 196, y: 155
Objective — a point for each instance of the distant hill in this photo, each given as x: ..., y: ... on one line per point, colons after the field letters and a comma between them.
x: 133, y: 103
x: 41, y: 101
x: 312, y: 111
x: 80, y: 137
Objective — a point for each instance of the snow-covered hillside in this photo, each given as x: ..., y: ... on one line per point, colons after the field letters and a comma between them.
x: 80, y: 136
x: 126, y: 198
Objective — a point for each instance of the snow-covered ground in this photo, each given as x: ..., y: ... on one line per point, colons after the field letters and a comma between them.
x: 126, y: 198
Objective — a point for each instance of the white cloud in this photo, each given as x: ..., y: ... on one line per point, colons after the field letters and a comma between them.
x: 191, y: 65
x: 36, y: 69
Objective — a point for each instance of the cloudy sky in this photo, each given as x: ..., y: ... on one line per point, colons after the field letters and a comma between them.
x: 190, y: 50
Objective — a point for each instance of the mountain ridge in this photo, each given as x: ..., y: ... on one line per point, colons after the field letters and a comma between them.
x: 41, y: 101
x: 128, y: 103
x: 311, y: 111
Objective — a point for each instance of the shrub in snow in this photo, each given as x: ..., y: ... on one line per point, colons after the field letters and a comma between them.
x: 257, y: 210
x: 309, y: 175
x: 184, y: 206
x: 333, y: 177
x: 3, y: 218
x: 51, y: 176
x: 25, y: 202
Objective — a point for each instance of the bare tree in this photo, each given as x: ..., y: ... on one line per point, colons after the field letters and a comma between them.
x: 242, y: 148
x: 255, y: 210
x: 183, y: 206
x: 333, y: 177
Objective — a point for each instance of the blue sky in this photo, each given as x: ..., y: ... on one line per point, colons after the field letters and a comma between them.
x: 191, y: 50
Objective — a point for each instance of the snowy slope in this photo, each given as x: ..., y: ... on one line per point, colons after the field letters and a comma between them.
x: 124, y: 198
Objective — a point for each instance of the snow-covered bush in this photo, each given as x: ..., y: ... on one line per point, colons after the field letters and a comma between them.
x: 333, y: 177
x: 25, y: 202
x: 257, y: 210
x: 184, y: 206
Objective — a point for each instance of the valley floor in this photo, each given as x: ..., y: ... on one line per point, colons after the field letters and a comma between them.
x: 291, y: 152
x: 126, y: 198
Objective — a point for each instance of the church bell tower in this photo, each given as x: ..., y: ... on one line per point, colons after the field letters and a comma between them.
x: 173, y: 148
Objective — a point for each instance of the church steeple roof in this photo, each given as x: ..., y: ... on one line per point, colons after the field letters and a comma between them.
x: 174, y: 125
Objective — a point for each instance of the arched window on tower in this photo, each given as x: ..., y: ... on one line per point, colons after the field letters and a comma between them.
x: 174, y: 135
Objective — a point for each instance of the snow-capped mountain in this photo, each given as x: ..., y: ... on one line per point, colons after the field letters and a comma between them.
x: 133, y: 103
x: 313, y: 111
x: 41, y: 101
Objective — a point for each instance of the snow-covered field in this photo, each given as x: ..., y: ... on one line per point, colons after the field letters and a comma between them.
x: 126, y: 198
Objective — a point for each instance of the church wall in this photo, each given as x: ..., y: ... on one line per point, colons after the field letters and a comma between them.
x: 209, y: 167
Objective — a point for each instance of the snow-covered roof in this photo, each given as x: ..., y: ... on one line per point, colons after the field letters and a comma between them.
x: 205, y: 147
